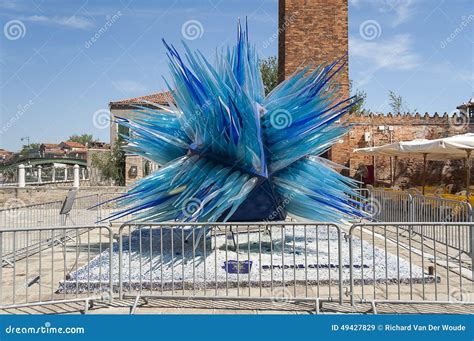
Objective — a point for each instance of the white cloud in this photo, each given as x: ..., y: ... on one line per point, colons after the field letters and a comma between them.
x: 75, y: 22
x: 393, y: 54
x: 130, y: 86
x: 355, y: 3
x: 403, y: 9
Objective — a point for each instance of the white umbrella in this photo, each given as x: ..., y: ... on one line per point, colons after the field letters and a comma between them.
x: 448, y: 148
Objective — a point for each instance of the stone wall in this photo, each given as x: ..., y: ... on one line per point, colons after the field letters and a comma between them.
x: 41, y: 194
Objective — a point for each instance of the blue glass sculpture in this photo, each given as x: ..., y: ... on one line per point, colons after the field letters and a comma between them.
x: 230, y: 153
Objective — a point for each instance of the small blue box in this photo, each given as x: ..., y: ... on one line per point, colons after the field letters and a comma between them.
x: 241, y: 267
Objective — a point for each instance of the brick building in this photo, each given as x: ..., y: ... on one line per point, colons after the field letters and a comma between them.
x: 136, y: 166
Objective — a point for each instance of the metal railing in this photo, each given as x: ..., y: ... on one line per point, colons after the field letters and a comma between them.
x: 44, y: 272
x: 84, y: 212
x: 49, y: 213
x: 395, y: 206
x: 256, y: 261
x: 408, y: 267
x: 277, y: 262
x: 390, y: 205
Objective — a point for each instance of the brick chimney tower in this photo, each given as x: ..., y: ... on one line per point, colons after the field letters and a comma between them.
x: 315, y: 32
x: 312, y: 31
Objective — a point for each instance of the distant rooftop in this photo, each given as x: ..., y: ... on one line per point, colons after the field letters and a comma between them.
x: 469, y: 104
x: 72, y: 144
x: 158, y: 98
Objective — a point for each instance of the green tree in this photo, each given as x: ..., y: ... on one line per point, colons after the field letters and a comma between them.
x: 82, y: 139
x: 269, y: 71
x: 360, y: 98
x: 26, y: 149
x: 111, y: 164
x: 397, y: 103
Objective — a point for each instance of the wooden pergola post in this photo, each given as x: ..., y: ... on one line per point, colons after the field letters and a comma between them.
x: 423, y: 179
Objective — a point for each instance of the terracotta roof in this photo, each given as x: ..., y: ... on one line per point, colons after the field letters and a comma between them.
x: 50, y: 145
x: 73, y: 144
x: 4, y: 151
x: 159, y: 98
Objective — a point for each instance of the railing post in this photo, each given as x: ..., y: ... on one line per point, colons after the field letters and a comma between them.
x: 21, y: 175
x: 111, y: 279
x: 339, y: 246
x: 120, y: 269
x: 411, y: 209
x: 351, y: 267
x: 471, y: 238
x: 76, y: 176
x: 39, y: 173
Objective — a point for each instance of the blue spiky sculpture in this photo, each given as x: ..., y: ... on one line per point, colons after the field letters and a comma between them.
x: 230, y: 153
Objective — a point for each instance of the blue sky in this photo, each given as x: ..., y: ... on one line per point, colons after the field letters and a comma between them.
x: 54, y: 78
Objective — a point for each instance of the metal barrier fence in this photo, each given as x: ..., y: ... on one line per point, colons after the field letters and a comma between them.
x: 390, y: 206
x: 395, y: 206
x: 84, y: 212
x: 277, y: 262
x: 43, y: 271
x: 256, y: 261
x: 432, y: 209
x: 406, y: 268
x: 109, y: 207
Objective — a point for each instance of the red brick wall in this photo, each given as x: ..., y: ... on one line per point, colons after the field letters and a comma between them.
x: 313, y: 32
x: 405, y: 127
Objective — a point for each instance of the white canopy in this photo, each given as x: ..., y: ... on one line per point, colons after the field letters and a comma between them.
x: 448, y: 148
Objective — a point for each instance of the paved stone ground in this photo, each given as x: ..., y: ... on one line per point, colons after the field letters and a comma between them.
x: 162, y: 306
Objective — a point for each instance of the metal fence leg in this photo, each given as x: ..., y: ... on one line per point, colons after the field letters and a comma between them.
x: 351, y: 269
x: 339, y: 242
x: 120, y: 264
x: 471, y: 238
x: 111, y: 283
